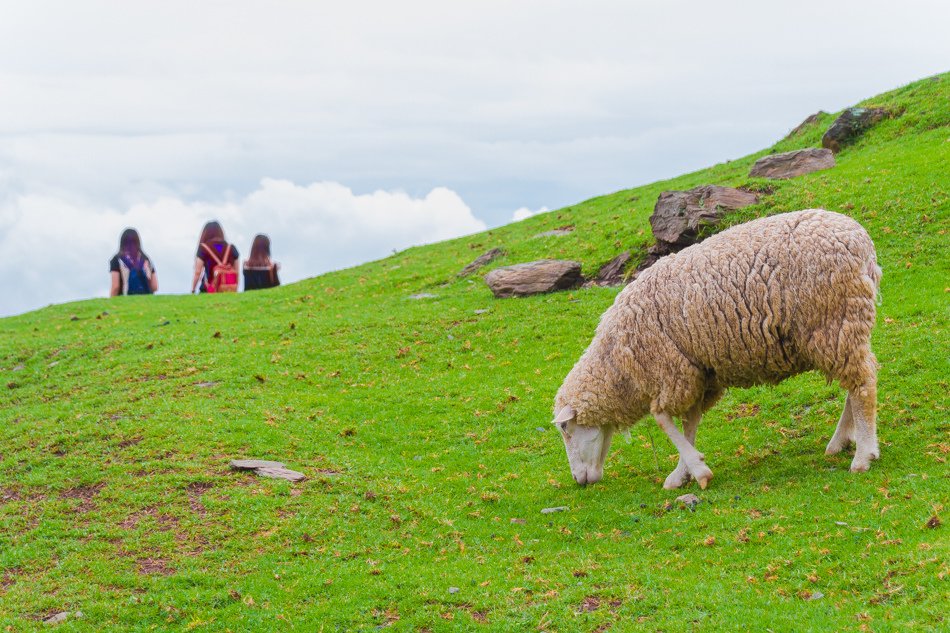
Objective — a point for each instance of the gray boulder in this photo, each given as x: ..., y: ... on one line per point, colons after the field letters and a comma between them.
x: 546, y: 275
x: 482, y: 260
x: 852, y: 123
x: 791, y: 164
x: 679, y: 216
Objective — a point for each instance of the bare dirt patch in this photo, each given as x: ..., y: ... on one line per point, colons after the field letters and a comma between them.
x: 195, y: 490
x: 85, y: 494
x: 154, y: 567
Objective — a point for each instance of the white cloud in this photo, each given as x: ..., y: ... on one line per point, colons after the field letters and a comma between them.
x: 60, y: 247
x: 524, y: 213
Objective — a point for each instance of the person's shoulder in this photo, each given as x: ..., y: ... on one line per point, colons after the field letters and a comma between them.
x: 114, y: 263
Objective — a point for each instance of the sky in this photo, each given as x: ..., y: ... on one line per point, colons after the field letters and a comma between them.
x: 346, y: 131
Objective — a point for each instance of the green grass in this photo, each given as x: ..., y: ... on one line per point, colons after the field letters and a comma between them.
x: 423, y: 427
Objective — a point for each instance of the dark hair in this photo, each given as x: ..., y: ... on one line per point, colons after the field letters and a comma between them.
x: 212, y: 233
x: 130, y: 245
x: 260, y: 251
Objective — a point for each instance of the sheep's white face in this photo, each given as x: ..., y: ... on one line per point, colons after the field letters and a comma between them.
x: 586, y: 446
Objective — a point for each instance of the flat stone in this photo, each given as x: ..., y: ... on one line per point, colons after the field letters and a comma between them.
x: 423, y: 295
x: 19, y: 367
x: 205, y: 385
x: 519, y: 521
x: 848, y: 127
x: 454, y: 589
x: 553, y: 510
x: 791, y: 164
x: 61, y: 617
x: 482, y: 260
x: 481, y: 311
x: 554, y: 233
x: 280, y: 473
x: 816, y: 596
x: 252, y: 464
x: 546, y: 275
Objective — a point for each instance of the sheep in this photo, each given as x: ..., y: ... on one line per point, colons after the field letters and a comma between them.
x: 754, y: 304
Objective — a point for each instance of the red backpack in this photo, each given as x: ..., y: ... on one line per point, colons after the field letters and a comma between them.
x: 222, y: 277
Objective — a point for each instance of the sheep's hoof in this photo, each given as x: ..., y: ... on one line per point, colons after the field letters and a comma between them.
x: 704, y: 476
x: 677, y: 479
x: 860, y: 466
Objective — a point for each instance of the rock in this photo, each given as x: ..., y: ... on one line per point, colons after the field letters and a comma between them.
x: 19, y: 367
x: 612, y: 273
x: 852, y: 123
x: 689, y: 500
x: 566, y: 230
x: 454, y: 590
x: 545, y: 275
x: 205, y: 385
x: 423, y: 295
x: 485, y: 258
x: 253, y: 464
x: 808, y: 122
x: 481, y: 311
x: 61, y: 617
x: 552, y: 510
x: 816, y: 596
x: 791, y: 164
x: 280, y: 473
x: 519, y: 521
x: 679, y: 216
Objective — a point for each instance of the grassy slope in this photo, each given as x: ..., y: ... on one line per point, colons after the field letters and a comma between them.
x: 116, y: 499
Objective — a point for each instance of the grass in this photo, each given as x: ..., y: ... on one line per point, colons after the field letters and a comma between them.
x: 423, y: 427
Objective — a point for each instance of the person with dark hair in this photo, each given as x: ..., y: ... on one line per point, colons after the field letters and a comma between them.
x: 216, y: 261
x: 131, y: 270
x: 259, y: 270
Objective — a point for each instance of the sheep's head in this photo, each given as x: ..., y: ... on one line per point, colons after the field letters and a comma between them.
x: 586, y: 446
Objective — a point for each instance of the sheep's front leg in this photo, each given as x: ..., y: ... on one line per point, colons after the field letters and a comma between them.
x: 688, y: 454
x: 681, y: 475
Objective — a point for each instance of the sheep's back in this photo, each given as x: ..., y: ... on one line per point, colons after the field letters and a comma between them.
x: 747, y: 305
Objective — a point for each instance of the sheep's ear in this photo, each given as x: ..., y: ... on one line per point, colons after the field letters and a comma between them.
x: 566, y: 414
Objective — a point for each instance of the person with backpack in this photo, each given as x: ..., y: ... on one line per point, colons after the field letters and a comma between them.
x: 259, y: 270
x: 216, y: 262
x: 131, y: 270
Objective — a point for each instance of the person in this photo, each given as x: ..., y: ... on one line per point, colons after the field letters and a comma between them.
x: 216, y: 261
x: 131, y: 270
x: 259, y: 270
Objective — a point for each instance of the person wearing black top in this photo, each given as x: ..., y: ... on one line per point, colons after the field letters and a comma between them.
x: 131, y: 271
x: 259, y: 270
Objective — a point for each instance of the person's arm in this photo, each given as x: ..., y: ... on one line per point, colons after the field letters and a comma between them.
x: 199, y: 267
x: 152, y: 276
x: 114, y: 289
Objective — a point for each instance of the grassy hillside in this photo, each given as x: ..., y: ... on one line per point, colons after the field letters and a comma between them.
x: 424, y: 428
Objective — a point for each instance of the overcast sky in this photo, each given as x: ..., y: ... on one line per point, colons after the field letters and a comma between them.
x: 347, y: 130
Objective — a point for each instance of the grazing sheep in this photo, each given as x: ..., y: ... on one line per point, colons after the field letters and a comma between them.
x: 754, y: 304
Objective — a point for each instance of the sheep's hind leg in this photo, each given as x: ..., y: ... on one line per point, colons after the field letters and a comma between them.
x: 688, y: 454
x: 864, y: 411
x: 844, y: 432
x: 681, y: 475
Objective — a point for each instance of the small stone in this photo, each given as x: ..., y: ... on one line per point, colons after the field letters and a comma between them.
x: 612, y: 273
x: 556, y: 509
x: 482, y: 311
x: 482, y: 260
x: 848, y: 127
x: 210, y: 383
x: 280, y: 473
x: 689, y: 500
x: 539, y: 428
x: 74, y: 318
x: 808, y: 122
x: 423, y: 295
x: 454, y: 589
x: 519, y: 521
x: 840, y: 523
x: 816, y: 596
x: 61, y: 617
x: 555, y: 233
x: 252, y: 464
x: 19, y: 367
